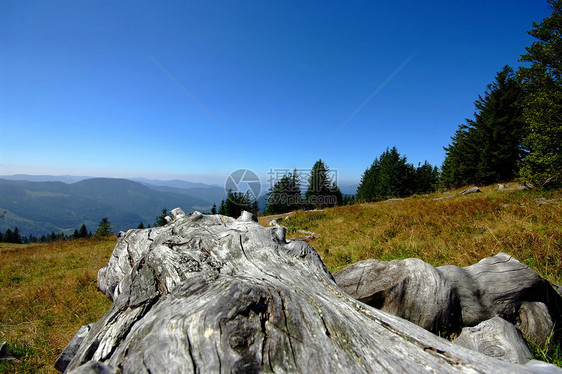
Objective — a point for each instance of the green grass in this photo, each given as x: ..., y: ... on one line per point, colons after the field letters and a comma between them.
x: 551, y: 351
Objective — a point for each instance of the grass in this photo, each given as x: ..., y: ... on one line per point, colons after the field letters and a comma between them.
x: 48, y: 292
x: 459, y: 230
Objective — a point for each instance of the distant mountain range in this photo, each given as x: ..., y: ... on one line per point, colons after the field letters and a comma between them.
x: 40, y: 205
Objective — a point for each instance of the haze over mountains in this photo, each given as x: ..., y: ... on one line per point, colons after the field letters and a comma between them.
x: 40, y: 205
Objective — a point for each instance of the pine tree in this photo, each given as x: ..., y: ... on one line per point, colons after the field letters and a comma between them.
x: 222, y: 208
x: 161, y: 219
x: 104, y: 228
x: 255, y: 208
x: 426, y: 178
x: 235, y: 203
x: 140, y: 226
x: 321, y: 191
x: 83, y: 233
x: 542, y: 83
x: 8, y: 236
x: 388, y: 176
x: 279, y: 195
x: 214, y: 209
x: 500, y: 128
x: 488, y: 148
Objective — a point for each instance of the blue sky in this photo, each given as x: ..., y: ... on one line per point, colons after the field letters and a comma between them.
x: 196, y: 89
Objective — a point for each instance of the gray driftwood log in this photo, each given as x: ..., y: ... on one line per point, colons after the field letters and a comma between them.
x: 496, y: 338
x: 447, y: 298
x: 210, y: 294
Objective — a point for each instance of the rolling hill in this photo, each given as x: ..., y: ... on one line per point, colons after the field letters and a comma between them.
x: 39, y: 208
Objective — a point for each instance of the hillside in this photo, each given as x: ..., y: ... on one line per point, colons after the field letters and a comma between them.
x: 39, y: 208
x: 41, y: 307
x: 457, y: 230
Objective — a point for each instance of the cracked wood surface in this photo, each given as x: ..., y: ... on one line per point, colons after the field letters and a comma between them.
x: 210, y: 294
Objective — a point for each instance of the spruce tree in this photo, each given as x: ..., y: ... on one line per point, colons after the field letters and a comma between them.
x: 499, y: 126
x: 488, y: 148
x: 542, y: 83
x: 104, y: 228
x: 426, y: 178
x: 321, y: 191
x: 214, y: 209
x: 388, y: 176
x: 8, y: 236
x: 83, y: 233
x: 278, y: 196
x: 161, y: 219
x: 222, y: 208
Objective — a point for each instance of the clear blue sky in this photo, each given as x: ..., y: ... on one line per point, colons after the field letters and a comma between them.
x: 102, y: 88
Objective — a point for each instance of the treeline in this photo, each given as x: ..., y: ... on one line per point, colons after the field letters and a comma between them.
x: 516, y: 131
x: 391, y: 175
x: 286, y: 194
x: 235, y: 203
x: 14, y: 236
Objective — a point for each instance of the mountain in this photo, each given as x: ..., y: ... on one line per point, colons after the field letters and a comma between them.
x: 348, y: 188
x: 44, y: 178
x: 42, y: 207
x: 176, y: 183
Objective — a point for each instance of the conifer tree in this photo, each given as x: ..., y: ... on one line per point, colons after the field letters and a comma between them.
x: 279, y: 196
x: 321, y: 191
x: 214, y: 209
x: 83, y: 233
x: 8, y: 236
x: 222, y: 208
x: 140, y: 226
x: 104, y: 228
x: 426, y: 178
x: 389, y: 176
x: 542, y: 83
x: 488, y: 148
x: 161, y: 219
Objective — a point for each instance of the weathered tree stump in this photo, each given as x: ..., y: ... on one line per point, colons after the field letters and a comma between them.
x: 496, y: 338
x: 210, y: 294
x: 498, y: 286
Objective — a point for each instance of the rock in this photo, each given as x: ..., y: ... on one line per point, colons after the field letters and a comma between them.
x: 496, y: 338
x: 470, y: 190
x: 207, y: 293
x: 411, y: 289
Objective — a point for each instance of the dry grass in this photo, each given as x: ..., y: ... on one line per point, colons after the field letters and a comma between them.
x: 48, y: 292
x: 459, y: 230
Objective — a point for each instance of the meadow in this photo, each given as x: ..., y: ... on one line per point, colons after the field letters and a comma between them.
x: 49, y: 290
